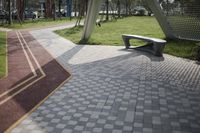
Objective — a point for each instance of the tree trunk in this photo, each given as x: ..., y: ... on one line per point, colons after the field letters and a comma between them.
x: 54, y: 9
x: 20, y: 9
x: 59, y: 7
x: 75, y: 8
x: 81, y: 12
x: 48, y: 11
x: 126, y: 5
x: 119, y: 8
x: 107, y: 10
x: 86, y: 6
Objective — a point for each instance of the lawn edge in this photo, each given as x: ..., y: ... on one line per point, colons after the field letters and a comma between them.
x: 6, y: 58
x: 39, y: 27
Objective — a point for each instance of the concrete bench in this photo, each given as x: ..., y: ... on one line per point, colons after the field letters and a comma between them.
x: 154, y: 45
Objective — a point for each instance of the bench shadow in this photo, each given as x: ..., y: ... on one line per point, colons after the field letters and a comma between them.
x: 144, y: 53
x: 197, y: 62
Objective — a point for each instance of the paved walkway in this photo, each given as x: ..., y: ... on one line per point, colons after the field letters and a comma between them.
x: 117, y: 91
x: 5, y: 29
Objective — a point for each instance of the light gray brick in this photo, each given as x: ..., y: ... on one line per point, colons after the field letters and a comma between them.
x: 129, y: 116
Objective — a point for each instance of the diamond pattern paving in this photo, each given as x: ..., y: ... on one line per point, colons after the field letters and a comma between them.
x: 117, y: 91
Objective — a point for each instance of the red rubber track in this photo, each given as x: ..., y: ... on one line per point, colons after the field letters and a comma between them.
x: 33, y: 74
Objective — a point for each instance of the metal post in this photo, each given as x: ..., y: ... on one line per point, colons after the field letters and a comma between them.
x: 59, y: 7
x: 9, y: 12
x: 161, y: 18
x: 75, y: 8
x: 69, y: 8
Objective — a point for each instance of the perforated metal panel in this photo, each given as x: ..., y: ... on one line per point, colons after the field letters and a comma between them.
x: 183, y: 16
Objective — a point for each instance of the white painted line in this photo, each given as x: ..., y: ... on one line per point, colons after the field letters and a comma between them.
x: 24, y: 88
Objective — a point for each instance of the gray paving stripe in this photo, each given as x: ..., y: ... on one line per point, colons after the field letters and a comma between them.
x: 117, y: 90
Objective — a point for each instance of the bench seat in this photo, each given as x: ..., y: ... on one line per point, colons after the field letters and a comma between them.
x: 154, y: 45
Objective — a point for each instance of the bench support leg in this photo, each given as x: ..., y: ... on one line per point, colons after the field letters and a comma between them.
x: 158, y: 49
x: 126, y: 42
x: 151, y: 47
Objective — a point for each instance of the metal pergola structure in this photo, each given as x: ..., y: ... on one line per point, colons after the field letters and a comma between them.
x: 179, y: 19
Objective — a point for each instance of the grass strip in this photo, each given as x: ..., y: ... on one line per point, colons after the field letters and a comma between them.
x: 2, y: 54
x: 36, y: 23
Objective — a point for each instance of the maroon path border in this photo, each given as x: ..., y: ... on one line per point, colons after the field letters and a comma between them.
x: 19, y: 70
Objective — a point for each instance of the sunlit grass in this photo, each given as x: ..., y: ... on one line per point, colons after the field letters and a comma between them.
x: 110, y: 34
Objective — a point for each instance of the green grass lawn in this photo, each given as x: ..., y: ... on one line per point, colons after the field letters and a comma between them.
x: 110, y: 34
x: 2, y: 54
x: 36, y: 23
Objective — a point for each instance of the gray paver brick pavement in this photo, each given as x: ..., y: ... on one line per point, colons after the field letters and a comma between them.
x: 119, y: 91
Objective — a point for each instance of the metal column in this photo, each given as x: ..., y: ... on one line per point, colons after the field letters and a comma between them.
x: 92, y: 13
x: 155, y: 7
x: 153, y: 4
x: 69, y: 8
